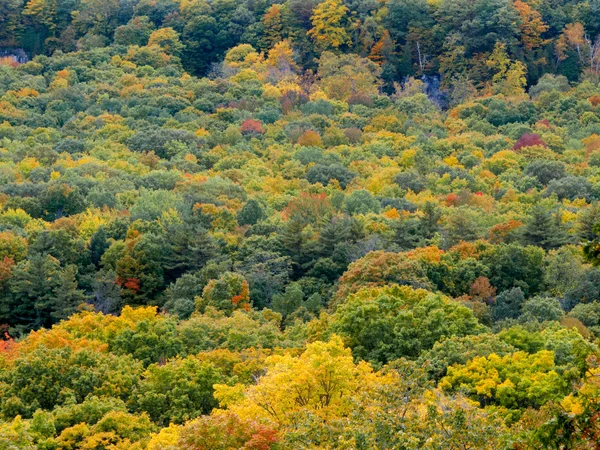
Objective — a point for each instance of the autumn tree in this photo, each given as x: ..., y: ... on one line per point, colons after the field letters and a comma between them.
x: 329, y: 25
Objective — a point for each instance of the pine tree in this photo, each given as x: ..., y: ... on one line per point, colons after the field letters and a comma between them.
x: 98, y: 245
x: 544, y: 229
x: 67, y: 297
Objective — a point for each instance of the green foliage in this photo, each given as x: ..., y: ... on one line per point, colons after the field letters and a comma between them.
x: 344, y: 167
x: 386, y: 324
x: 514, y: 380
x: 178, y: 391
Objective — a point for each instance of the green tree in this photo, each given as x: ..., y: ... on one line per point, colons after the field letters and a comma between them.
x: 384, y: 324
x: 544, y: 229
x: 177, y: 391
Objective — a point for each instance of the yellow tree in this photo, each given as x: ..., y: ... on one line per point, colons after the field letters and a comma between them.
x: 41, y: 12
x: 328, y: 22
x: 323, y: 381
x: 509, y: 78
x: 587, y: 48
x: 167, y: 39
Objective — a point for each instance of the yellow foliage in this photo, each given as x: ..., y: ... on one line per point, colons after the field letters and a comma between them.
x: 321, y: 381
x: 271, y: 92
x: 452, y: 161
x: 27, y: 165
x: 391, y: 214
x: 327, y: 20
x: 166, y: 439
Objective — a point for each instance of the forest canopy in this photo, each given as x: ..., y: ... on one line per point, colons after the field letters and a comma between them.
x: 307, y: 224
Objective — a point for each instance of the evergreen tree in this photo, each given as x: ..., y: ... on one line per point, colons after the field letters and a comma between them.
x: 508, y: 304
x: 67, y: 297
x: 98, y: 245
x: 544, y: 229
x: 289, y: 301
x: 251, y: 213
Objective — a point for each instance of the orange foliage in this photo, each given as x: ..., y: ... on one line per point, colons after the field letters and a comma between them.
x: 465, y: 250
x: 451, y: 199
x: 430, y: 254
x: 594, y: 100
x: 310, y: 138
x: 8, y: 61
x: 482, y: 290
x: 6, y: 266
x: 242, y: 300
x: 532, y: 26
x: 308, y: 207
x: 380, y: 268
x: 251, y: 126
x: 499, y: 233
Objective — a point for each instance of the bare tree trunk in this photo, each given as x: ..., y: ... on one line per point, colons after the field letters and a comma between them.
x: 420, y: 58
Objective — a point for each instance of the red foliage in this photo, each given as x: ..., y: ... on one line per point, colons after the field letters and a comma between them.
x: 132, y: 284
x: 529, y: 140
x: 451, y: 199
x: 252, y: 126
x: 227, y: 431
x: 308, y: 208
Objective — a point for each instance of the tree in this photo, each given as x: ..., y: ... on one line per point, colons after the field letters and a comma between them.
x: 46, y: 377
x: 384, y: 324
x: 508, y: 304
x: 320, y: 173
x: 251, y: 213
x: 96, y: 17
x: 272, y: 23
x: 543, y: 229
x: 570, y: 187
x: 542, y: 309
x: 136, y: 32
x: 544, y: 170
x: 42, y: 292
x: 516, y: 380
x: 322, y: 381
x: 458, y: 350
x: 347, y: 74
x: 587, y: 48
x: 328, y: 20
x: 530, y: 140
x: 9, y: 20
x: 228, y: 293
x: 532, y: 25
x: 167, y: 39
x: 178, y: 391
x: 509, y: 78
x: 290, y: 301
x: 361, y: 202
x: 379, y: 268
x: 218, y: 432
x: 67, y: 297
x: 98, y: 245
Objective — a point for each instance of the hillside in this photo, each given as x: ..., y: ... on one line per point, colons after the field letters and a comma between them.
x: 308, y: 225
